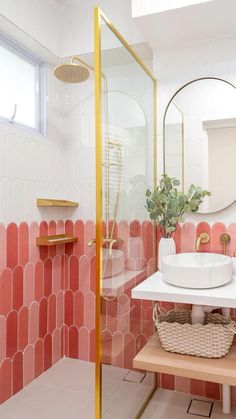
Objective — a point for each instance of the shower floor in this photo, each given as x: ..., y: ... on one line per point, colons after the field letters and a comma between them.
x: 66, y: 391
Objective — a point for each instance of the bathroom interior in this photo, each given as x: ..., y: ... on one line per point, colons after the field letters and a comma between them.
x: 101, y: 105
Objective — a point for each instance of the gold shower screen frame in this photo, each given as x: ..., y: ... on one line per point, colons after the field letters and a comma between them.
x: 98, y: 15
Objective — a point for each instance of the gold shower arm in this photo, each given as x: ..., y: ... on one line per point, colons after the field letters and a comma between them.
x: 76, y: 57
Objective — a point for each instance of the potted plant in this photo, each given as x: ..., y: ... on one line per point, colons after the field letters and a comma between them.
x: 166, y: 205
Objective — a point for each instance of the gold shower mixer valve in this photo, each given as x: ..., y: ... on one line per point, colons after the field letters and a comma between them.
x: 107, y: 241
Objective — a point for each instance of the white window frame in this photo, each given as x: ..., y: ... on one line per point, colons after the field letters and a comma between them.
x: 40, y: 86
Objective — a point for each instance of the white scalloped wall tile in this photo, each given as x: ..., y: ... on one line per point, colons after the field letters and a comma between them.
x: 60, y: 165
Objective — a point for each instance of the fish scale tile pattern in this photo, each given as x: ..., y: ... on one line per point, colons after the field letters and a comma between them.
x: 36, y: 308
x: 47, y: 301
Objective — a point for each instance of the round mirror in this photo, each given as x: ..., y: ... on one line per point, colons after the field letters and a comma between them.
x: 199, y: 132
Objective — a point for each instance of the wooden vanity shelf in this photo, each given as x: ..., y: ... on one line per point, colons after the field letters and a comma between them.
x: 41, y: 202
x: 153, y: 357
x: 55, y: 240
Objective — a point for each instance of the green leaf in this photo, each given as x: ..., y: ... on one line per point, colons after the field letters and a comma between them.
x: 166, y: 204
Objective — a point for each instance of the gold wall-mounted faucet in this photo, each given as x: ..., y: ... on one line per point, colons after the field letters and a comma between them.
x: 202, y: 238
x: 224, y: 239
x: 106, y: 241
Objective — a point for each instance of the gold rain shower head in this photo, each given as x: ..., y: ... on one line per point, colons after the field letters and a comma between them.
x: 72, y: 72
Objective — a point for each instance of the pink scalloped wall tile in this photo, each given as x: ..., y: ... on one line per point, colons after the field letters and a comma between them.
x: 188, y: 237
x: 47, y: 301
x: 23, y: 243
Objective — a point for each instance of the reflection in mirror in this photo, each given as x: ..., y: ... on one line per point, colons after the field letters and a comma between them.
x: 199, y: 131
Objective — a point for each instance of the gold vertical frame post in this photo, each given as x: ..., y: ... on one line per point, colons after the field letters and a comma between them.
x: 98, y: 15
x: 98, y: 164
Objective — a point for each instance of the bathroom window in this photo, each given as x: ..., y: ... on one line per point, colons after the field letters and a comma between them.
x: 22, y: 97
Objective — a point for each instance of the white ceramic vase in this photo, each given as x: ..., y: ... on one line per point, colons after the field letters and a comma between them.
x: 166, y: 247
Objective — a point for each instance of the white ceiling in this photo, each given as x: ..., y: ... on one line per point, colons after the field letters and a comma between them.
x: 210, y: 20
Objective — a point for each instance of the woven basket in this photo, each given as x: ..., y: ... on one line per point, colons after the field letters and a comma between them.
x: 177, y: 334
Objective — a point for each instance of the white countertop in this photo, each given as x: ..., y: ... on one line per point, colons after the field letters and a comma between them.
x: 154, y: 288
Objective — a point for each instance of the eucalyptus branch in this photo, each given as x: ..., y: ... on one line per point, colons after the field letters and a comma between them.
x: 166, y: 204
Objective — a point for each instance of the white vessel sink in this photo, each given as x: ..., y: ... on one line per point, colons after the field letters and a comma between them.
x: 197, y: 270
x: 113, y: 264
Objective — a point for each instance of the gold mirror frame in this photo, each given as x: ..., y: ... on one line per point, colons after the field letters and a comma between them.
x: 164, y: 133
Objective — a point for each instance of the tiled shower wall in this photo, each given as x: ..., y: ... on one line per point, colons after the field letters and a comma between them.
x: 35, y: 306
x: 47, y: 302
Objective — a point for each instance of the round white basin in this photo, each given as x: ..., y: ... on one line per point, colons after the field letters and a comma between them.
x: 112, y: 264
x: 197, y: 270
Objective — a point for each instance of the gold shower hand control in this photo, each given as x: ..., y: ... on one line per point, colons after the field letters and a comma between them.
x: 91, y: 242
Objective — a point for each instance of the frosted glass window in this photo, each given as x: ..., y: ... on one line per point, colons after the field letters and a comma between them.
x: 20, y: 84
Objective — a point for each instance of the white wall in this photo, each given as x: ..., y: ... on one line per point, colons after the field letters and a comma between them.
x: 175, y: 67
x: 78, y: 38
x: 41, y: 19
